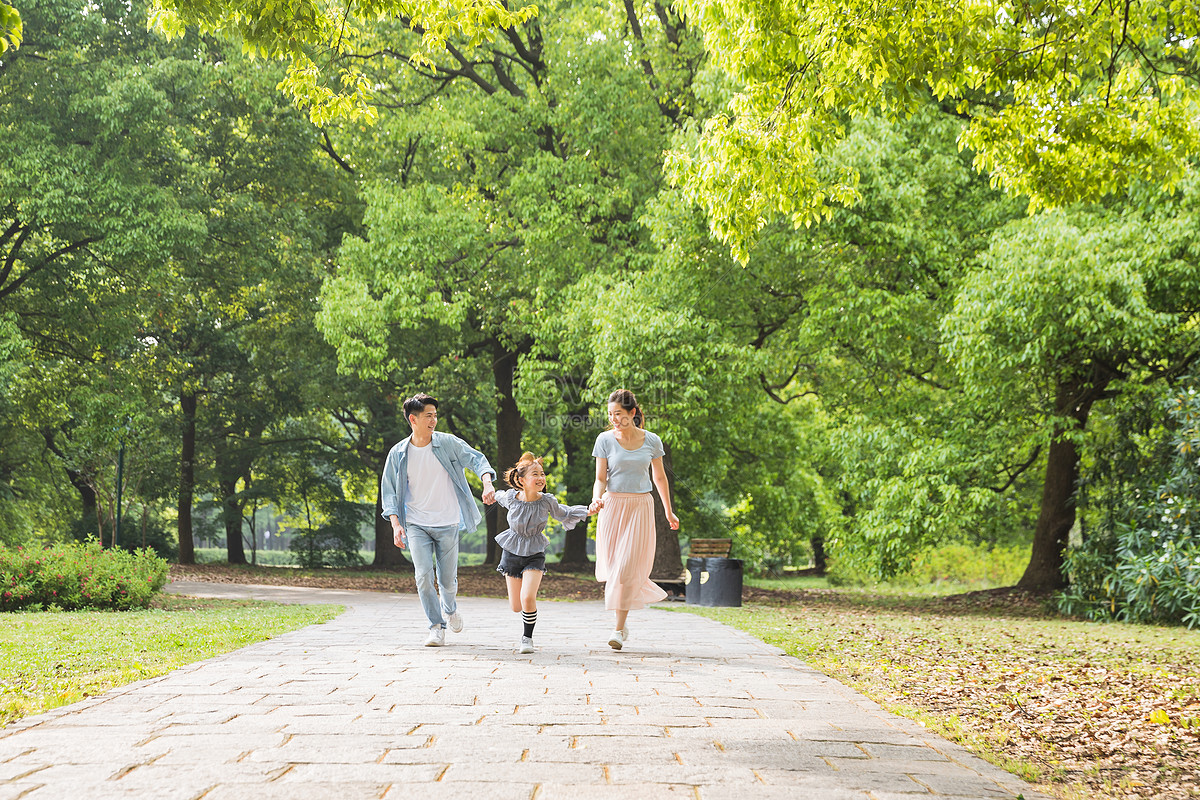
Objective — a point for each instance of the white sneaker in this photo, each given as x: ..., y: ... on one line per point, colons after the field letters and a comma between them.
x: 436, y: 638
x: 617, y: 640
x: 526, y: 645
x: 455, y: 622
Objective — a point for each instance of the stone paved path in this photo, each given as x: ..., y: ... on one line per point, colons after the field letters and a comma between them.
x: 357, y: 708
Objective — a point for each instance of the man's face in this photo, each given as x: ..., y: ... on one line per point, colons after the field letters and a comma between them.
x: 425, y: 421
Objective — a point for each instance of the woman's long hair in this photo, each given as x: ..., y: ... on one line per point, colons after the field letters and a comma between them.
x: 625, y: 399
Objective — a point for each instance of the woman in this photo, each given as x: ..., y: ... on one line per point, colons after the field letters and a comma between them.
x: 626, y: 457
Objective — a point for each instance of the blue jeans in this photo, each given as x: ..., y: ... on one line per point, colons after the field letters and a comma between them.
x: 435, y: 552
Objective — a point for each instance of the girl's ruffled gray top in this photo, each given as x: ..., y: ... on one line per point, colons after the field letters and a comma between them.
x: 526, y: 521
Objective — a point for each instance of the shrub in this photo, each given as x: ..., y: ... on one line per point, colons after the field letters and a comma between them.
x: 335, y: 544
x: 1146, y: 568
x: 953, y: 563
x: 74, y: 576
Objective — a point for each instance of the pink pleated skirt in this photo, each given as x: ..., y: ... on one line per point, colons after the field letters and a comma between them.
x: 625, y: 551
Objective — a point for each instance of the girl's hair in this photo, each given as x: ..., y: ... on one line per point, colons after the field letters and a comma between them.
x: 627, y: 401
x: 514, y: 475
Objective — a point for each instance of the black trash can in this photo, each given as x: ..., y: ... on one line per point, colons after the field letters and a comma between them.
x: 723, y: 586
x: 695, y: 576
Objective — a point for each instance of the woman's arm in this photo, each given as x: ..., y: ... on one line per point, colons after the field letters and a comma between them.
x: 601, y: 484
x: 664, y: 490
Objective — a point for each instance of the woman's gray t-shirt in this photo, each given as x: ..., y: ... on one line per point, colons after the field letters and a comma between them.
x: 527, y: 521
x: 628, y: 470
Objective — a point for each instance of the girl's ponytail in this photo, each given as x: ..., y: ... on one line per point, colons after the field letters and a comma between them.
x: 513, y: 475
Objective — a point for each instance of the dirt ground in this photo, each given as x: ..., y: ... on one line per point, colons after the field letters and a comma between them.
x: 484, y: 581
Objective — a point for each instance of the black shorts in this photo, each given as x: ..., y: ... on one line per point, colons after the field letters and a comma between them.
x: 514, y: 566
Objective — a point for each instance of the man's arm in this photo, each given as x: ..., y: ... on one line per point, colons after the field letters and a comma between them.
x: 389, y: 497
x: 477, y: 462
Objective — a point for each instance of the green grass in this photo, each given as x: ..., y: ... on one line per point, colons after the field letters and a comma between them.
x: 787, y: 584
x: 50, y: 659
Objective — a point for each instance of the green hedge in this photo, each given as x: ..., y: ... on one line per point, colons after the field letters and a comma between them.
x: 73, y: 576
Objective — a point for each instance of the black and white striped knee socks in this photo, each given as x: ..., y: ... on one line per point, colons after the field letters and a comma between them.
x: 530, y: 619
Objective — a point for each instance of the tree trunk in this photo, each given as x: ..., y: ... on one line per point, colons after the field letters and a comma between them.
x: 231, y: 515
x: 391, y: 428
x: 574, y: 554
x: 818, y: 548
x: 87, y: 495
x: 509, y: 426
x: 580, y: 476
x: 187, y: 478
x: 1057, y: 514
x: 228, y: 476
x: 387, y: 555
x: 668, y: 558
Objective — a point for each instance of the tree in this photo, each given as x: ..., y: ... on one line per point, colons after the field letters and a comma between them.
x: 88, y: 217
x: 1061, y: 101
x: 1069, y: 307
x: 151, y: 230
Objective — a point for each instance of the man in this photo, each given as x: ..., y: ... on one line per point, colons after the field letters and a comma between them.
x: 425, y: 495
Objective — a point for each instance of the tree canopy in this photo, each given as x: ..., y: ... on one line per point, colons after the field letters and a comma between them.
x: 1061, y: 101
x: 321, y: 41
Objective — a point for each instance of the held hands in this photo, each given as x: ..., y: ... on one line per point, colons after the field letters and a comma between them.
x: 489, y: 492
x: 595, y: 506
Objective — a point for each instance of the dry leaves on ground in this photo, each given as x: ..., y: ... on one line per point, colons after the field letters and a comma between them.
x: 1098, y: 718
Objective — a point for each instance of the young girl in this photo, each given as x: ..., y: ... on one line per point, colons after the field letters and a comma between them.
x: 524, y: 559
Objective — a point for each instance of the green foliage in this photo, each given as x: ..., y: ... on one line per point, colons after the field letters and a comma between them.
x: 1146, y: 567
x: 10, y: 27
x: 71, y: 576
x: 1058, y: 100
x: 294, y: 30
x: 263, y: 558
x: 150, y: 532
x: 334, y: 544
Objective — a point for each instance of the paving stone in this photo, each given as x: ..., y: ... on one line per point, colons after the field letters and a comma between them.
x: 689, y: 774
x: 816, y: 790
x: 522, y: 772
x: 469, y: 791
x: 956, y: 783
x: 903, y: 752
x: 380, y: 774
x: 356, y: 790
x: 618, y: 792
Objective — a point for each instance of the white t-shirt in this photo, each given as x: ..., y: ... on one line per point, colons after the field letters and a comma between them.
x: 431, y: 502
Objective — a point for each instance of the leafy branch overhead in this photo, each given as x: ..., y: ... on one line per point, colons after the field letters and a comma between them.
x: 1061, y: 101
x: 320, y: 40
x: 10, y: 27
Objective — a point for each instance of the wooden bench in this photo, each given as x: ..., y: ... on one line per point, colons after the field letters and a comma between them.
x: 710, y: 548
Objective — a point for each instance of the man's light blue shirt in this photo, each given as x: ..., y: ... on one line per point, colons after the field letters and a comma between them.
x: 454, y: 455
